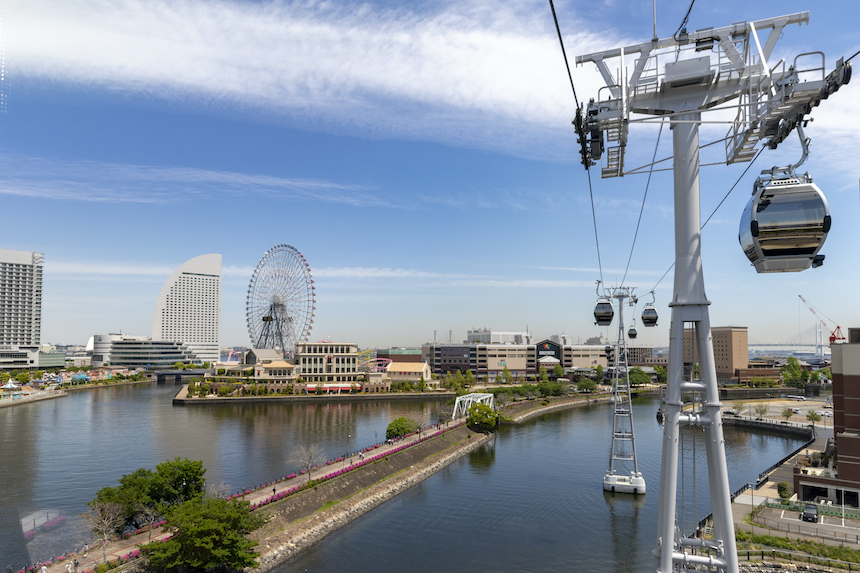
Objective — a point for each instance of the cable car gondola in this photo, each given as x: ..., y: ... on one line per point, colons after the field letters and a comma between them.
x: 784, y: 225
x: 632, y: 332
x: 787, y: 220
x: 649, y: 315
x: 603, y: 312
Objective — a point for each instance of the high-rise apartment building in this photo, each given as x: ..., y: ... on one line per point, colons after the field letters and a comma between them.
x: 20, y: 297
x: 188, y: 309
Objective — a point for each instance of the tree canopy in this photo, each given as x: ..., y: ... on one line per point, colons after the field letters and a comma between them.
x: 482, y: 418
x: 400, y: 427
x: 208, y: 532
x: 638, y: 377
x: 171, y: 482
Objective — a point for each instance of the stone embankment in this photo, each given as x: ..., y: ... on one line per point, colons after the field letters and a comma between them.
x: 523, y: 410
x: 304, y: 519
x: 28, y: 398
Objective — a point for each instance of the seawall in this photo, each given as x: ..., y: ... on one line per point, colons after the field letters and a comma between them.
x: 519, y: 412
x: 298, y: 522
x: 181, y: 398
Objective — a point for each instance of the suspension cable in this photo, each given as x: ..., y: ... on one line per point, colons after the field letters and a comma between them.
x: 594, y: 219
x: 642, y: 208
x: 576, y: 99
x: 715, y: 209
x: 564, y: 53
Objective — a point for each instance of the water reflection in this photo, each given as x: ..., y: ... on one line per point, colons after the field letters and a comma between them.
x: 481, y: 459
x: 58, y: 453
x: 624, y: 525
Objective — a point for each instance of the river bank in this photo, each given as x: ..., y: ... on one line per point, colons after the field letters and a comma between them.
x: 182, y: 399
x: 304, y: 519
x: 518, y: 412
x: 7, y: 401
x: 101, y: 384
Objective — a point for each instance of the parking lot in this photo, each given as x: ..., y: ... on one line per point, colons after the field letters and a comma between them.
x: 775, y: 407
x: 830, y: 527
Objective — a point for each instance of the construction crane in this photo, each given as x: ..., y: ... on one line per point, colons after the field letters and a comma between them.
x: 835, y: 334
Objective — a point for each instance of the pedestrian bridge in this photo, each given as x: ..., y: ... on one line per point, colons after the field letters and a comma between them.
x: 463, y: 403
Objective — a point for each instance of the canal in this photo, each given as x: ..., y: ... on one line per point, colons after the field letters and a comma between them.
x: 531, y: 500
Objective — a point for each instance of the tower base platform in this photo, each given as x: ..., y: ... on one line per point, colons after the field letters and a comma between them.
x: 634, y: 483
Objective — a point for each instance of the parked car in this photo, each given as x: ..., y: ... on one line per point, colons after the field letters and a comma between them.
x: 810, y: 513
x: 828, y: 405
x: 826, y: 414
x: 730, y: 413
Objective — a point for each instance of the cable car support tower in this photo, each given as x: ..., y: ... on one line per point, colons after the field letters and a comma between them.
x: 678, y: 78
x: 623, y: 449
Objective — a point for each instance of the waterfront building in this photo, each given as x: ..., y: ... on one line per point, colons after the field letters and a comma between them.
x: 412, y: 372
x: 20, y: 297
x: 521, y: 360
x: 188, y: 308
x: 327, y: 362
x: 139, y: 352
x: 839, y: 484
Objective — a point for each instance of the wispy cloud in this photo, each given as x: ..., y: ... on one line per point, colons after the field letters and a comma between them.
x: 472, y: 73
x: 92, y: 181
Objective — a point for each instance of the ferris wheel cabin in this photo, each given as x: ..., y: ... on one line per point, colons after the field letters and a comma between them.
x: 784, y: 225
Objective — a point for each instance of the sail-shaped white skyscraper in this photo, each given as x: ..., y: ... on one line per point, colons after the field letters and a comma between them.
x: 188, y: 308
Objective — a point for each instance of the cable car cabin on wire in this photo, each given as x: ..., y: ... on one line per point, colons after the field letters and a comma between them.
x: 785, y: 224
x: 649, y: 315
x: 603, y: 312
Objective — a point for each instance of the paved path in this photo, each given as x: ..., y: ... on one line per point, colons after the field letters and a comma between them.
x: 124, y: 547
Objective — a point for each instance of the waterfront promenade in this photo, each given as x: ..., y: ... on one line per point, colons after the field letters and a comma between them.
x: 262, y: 494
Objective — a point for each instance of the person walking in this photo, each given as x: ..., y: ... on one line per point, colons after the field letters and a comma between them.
x: 44, y: 569
x: 274, y: 491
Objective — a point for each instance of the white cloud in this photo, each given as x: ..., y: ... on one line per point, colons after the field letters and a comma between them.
x: 72, y: 268
x: 93, y: 181
x: 468, y: 72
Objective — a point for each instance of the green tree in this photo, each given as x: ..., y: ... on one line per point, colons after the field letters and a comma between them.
x: 792, y: 373
x: 134, y: 489
x: 179, y: 365
x: 206, y: 365
x: 4, y: 377
x: 482, y: 418
x: 824, y: 374
x: 661, y: 374
x: 542, y: 374
x: 208, y: 532
x: 468, y: 379
x: 586, y: 385
x: 557, y: 371
x: 599, y: 373
x: 422, y: 385
x: 507, y: 378
x: 783, y: 489
x: 178, y: 479
x: 400, y: 427
x: 37, y: 375
x: 638, y: 377
x: 761, y: 410
x: 22, y: 377
x: 787, y: 413
x: 813, y: 416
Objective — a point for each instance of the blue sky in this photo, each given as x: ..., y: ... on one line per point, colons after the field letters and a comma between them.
x: 420, y: 155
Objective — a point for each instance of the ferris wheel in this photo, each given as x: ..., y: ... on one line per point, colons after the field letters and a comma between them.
x: 281, y: 300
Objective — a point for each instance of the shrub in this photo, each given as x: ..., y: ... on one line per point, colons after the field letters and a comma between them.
x: 400, y: 427
x: 783, y: 490
x: 482, y: 418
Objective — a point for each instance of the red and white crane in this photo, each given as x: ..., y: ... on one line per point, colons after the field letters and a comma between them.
x: 835, y: 334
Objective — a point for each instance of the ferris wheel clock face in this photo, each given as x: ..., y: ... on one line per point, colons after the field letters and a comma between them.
x: 281, y: 300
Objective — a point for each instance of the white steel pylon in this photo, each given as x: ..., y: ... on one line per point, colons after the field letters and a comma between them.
x: 677, y: 79
x: 623, y: 447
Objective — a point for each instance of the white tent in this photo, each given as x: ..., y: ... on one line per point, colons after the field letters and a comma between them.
x: 9, y: 386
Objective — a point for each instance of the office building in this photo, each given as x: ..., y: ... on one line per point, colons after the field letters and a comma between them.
x: 731, y: 349
x: 20, y: 297
x: 188, y: 309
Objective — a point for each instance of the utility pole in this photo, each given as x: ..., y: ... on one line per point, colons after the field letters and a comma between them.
x: 671, y: 80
